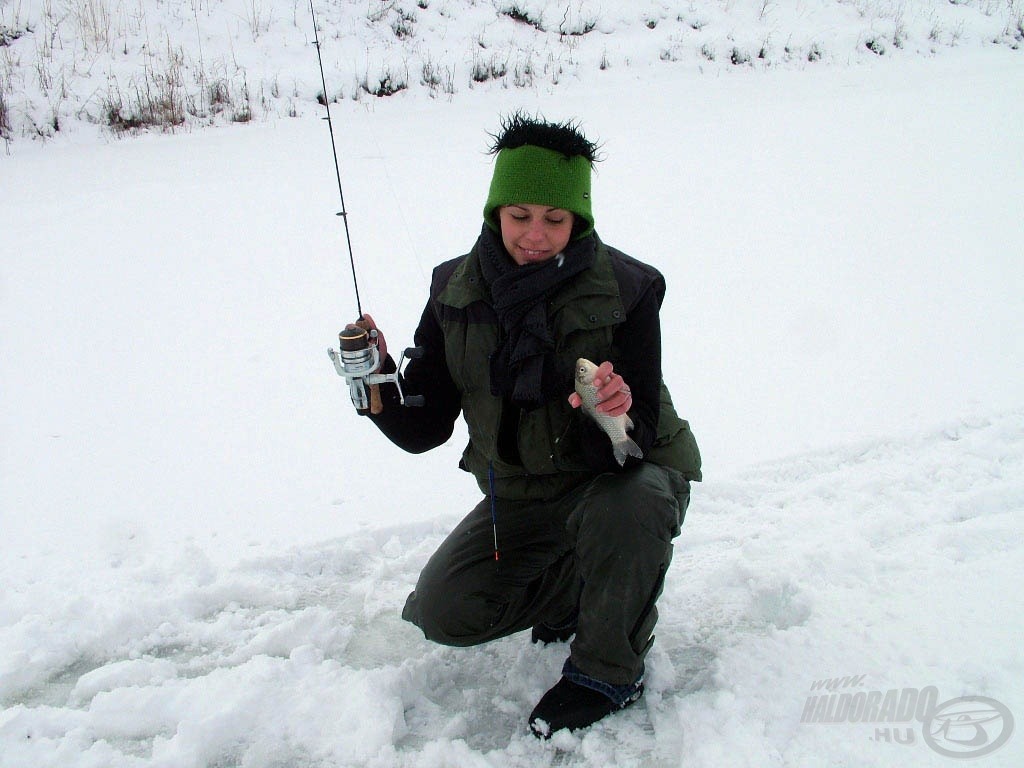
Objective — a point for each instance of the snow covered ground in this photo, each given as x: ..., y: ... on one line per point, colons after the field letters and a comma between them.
x: 205, y: 551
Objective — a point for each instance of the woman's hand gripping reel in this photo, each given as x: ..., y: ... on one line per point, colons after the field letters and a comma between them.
x: 358, y: 362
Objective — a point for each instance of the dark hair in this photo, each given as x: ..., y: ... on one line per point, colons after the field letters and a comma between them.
x: 519, y: 129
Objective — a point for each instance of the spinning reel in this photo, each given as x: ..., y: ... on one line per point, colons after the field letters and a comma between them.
x: 357, y: 362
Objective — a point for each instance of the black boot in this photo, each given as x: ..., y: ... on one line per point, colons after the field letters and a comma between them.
x: 573, y: 706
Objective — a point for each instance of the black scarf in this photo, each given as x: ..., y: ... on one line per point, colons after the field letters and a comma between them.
x: 523, y: 365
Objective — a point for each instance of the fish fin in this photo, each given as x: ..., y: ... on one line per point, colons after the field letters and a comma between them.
x: 629, y: 422
x: 626, y: 447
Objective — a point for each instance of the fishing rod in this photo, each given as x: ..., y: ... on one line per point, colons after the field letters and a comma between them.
x: 343, y: 213
x: 358, y: 357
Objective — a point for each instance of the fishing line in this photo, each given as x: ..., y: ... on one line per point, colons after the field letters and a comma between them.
x: 407, y: 231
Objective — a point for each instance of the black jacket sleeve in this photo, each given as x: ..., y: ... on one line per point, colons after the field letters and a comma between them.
x: 418, y: 429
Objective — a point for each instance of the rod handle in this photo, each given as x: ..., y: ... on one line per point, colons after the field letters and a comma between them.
x: 376, y: 404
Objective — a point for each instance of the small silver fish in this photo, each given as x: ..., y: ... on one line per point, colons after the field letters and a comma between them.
x: 614, y: 426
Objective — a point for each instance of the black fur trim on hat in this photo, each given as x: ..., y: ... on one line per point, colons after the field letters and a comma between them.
x: 519, y: 129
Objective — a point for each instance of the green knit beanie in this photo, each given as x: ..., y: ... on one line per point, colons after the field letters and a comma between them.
x: 539, y: 176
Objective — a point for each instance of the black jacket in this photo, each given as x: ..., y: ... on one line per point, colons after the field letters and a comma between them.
x: 627, y: 326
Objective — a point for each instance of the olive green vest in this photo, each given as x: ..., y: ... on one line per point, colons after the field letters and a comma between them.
x: 583, y: 316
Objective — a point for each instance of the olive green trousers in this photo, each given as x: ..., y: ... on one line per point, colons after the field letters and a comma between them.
x: 602, y: 549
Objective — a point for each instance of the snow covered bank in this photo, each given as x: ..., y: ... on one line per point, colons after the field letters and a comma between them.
x: 125, y: 66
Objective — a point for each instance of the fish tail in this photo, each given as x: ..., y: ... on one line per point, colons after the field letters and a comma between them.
x: 626, y: 447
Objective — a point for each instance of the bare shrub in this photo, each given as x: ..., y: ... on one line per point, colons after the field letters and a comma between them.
x: 1015, y: 26
x: 156, y: 100
x: 494, y: 69
x: 5, y: 115
x: 523, y: 72
x: 576, y: 26
x: 517, y: 12
x: 383, y: 9
x: 9, y: 34
x: 875, y: 45
x: 93, y: 17
x: 403, y: 25
x: 259, y: 18
x: 387, y: 83
x: 242, y: 108
x: 738, y: 56
x: 436, y: 77
x: 218, y: 95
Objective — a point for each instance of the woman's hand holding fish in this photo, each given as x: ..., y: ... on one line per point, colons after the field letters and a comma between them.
x: 613, y: 394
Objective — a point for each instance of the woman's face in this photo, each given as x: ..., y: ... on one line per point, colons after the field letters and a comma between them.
x: 534, y: 233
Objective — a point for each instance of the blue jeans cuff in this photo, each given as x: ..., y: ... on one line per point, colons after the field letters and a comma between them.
x: 619, y: 694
